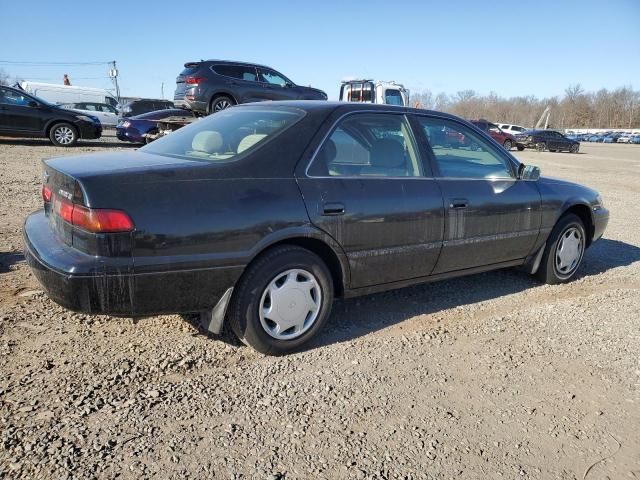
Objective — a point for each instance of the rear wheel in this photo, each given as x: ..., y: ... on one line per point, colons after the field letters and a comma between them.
x: 63, y: 135
x: 541, y: 146
x: 564, y: 250
x: 507, y: 144
x: 520, y: 148
x: 282, y: 300
x: 221, y: 103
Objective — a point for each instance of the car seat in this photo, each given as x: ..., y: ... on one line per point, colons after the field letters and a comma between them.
x: 206, y: 143
x: 387, y: 159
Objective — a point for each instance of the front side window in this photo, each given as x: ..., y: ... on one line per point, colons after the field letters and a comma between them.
x: 392, y: 97
x: 368, y: 145
x: 89, y: 106
x: 9, y: 97
x: 108, y: 109
x: 270, y: 76
x: 227, y: 134
x: 461, y: 153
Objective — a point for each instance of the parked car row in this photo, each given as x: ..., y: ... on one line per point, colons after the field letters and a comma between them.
x: 606, y: 137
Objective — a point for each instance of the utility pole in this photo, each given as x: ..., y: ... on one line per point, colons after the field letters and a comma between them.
x: 113, y: 73
x: 162, y: 90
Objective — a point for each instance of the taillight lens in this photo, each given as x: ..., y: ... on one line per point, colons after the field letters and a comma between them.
x: 94, y: 220
x: 46, y: 194
x: 194, y: 80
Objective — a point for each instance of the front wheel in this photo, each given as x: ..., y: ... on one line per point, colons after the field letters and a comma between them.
x: 63, y: 135
x: 575, y: 148
x: 564, y: 250
x: 282, y: 300
x: 520, y: 148
x: 507, y: 145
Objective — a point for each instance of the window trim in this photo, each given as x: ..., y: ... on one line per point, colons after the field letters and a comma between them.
x: 510, y: 162
x: 426, y: 167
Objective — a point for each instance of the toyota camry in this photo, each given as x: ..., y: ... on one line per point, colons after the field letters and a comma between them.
x: 262, y: 214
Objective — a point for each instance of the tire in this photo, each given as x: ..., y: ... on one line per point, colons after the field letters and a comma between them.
x: 507, y: 145
x: 558, y: 268
x: 253, y: 310
x: 575, y: 148
x: 520, y: 148
x: 541, y: 146
x: 221, y: 103
x: 63, y: 135
x: 553, y: 150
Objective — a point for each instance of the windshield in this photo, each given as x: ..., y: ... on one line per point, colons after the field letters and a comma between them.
x: 227, y: 134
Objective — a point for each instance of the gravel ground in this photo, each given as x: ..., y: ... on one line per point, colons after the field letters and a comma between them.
x: 491, y: 376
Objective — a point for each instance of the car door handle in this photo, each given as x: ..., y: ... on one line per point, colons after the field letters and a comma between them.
x: 459, y: 203
x: 333, y: 209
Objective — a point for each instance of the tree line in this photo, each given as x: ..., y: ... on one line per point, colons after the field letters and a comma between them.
x: 619, y: 108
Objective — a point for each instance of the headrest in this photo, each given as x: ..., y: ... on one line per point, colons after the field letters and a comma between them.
x: 208, y: 141
x: 328, y: 151
x: 249, y: 141
x: 387, y: 153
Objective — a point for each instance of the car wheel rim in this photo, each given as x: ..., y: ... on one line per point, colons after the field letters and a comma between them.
x: 290, y: 304
x: 507, y: 145
x: 569, y: 252
x: 221, y: 105
x: 63, y: 135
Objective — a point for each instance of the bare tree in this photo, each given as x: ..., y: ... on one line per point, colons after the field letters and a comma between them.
x: 4, y: 78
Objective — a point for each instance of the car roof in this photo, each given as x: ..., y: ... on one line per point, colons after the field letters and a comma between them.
x: 231, y: 62
x: 317, y: 105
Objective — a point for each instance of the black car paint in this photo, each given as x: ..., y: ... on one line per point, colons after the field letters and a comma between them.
x: 36, y: 120
x: 198, y: 224
x: 552, y: 139
x: 239, y: 90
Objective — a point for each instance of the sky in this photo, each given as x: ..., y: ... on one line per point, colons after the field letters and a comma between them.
x: 512, y: 48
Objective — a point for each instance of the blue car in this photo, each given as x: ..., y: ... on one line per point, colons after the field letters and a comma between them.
x: 132, y: 129
x: 635, y: 139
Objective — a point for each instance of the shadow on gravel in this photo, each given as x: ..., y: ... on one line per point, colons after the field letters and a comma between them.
x: 356, y: 317
x: 8, y: 259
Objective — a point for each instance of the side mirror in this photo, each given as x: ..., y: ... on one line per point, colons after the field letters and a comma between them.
x: 33, y: 104
x: 528, y: 172
x: 288, y: 85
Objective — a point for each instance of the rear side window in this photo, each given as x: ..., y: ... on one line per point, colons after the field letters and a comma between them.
x: 227, y: 134
x: 368, y: 145
x: 460, y: 153
x: 236, y: 71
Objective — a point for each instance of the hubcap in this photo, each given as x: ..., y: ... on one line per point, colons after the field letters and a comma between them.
x: 507, y: 145
x: 221, y: 105
x: 63, y: 135
x: 569, y: 251
x: 290, y: 304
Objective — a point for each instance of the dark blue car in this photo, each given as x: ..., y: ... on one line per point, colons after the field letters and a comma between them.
x: 132, y: 129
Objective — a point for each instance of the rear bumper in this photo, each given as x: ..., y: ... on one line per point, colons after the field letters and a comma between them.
x: 109, y: 285
x: 600, y: 222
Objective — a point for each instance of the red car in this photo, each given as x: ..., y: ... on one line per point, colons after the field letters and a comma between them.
x: 503, y: 138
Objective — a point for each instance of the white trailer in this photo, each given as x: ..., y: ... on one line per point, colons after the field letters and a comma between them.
x: 58, y: 94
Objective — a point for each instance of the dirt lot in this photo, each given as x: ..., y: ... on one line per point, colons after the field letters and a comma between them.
x: 491, y: 376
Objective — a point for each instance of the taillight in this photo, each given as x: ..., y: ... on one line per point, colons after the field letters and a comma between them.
x: 94, y: 220
x: 194, y: 80
x: 46, y: 194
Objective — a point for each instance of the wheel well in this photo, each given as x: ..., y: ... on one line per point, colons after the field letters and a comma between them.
x: 583, y: 212
x: 325, y: 252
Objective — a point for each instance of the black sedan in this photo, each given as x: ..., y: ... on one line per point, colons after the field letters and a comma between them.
x: 23, y: 115
x: 262, y: 214
x: 550, y: 140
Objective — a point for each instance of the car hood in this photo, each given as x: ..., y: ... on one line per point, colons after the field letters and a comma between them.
x: 587, y: 193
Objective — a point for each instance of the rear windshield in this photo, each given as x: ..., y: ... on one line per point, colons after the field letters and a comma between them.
x: 227, y: 134
x: 190, y: 69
